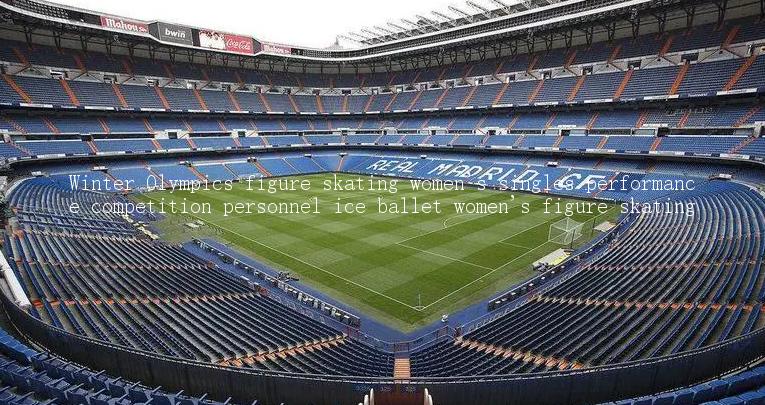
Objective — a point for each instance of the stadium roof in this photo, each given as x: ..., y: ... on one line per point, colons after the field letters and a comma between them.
x: 471, y: 31
x: 473, y: 11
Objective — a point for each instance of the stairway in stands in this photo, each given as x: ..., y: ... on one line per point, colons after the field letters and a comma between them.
x: 501, y: 93
x: 14, y: 124
x: 479, y: 125
x: 741, y: 121
x: 200, y: 99
x: 655, y: 144
x: 679, y: 78
x: 593, y: 120
x: 92, y: 146
x: 319, y: 105
x: 344, y: 107
x: 371, y: 99
x: 401, y: 367
x: 623, y: 84
x: 120, y: 96
x: 51, y: 126
x: 12, y: 84
x: 293, y: 103
x: 197, y: 173
x: 602, y: 143
x: 641, y: 119
x: 69, y: 92
x: 441, y: 98
x: 469, y: 95
x: 684, y: 119
x: 155, y: 174
x: 537, y: 89
x: 234, y: 101
x: 262, y: 169
x: 739, y: 72
x: 414, y: 100
x: 742, y: 145
x: 575, y: 90
x: 21, y: 148
x: 105, y: 126
x: 162, y: 97
x: 264, y: 101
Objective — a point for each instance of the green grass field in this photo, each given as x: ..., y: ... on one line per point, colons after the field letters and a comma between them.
x: 404, y: 270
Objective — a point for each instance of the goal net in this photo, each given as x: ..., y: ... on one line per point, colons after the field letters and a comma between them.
x: 565, y: 231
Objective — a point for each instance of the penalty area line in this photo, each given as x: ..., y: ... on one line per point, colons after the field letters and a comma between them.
x: 482, y: 277
x: 451, y: 226
x: 516, y: 246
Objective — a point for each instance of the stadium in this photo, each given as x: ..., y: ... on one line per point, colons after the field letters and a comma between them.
x: 515, y: 202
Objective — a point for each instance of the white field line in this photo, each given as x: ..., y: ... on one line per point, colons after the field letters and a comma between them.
x: 520, y: 232
x: 453, y: 225
x: 401, y: 243
x: 481, y: 278
x: 305, y: 263
x: 500, y: 267
x: 459, y: 216
x: 443, y: 256
x: 516, y: 246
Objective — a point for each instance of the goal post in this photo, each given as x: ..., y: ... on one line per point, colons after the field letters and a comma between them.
x: 565, y: 231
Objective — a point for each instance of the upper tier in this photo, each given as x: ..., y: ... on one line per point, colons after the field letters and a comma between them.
x: 695, y: 79
x: 701, y: 61
x: 701, y: 37
x: 733, y: 118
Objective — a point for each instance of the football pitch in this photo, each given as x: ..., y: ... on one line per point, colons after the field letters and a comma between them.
x: 405, y: 270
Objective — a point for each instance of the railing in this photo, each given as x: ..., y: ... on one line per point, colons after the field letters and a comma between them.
x: 591, y: 385
x: 33, y: 162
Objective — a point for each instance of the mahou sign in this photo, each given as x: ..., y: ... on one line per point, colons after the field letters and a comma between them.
x: 276, y: 49
x: 122, y: 24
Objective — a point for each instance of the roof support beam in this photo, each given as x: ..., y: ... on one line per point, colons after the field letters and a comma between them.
x: 465, y: 14
x: 483, y: 10
x: 634, y: 20
x: 28, y: 35
x: 610, y: 30
x: 568, y: 37
x: 589, y: 30
x: 447, y: 20
x: 661, y: 20
x: 722, y: 7
x: 414, y: 25
x: 384, y: 30
x: 348, y: 38
x: 548, y: 41
x: 690, y: 14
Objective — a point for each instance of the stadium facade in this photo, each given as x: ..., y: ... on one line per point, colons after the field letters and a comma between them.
x: 664, y: 306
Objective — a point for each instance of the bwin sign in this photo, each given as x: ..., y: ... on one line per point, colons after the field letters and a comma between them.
x: 174, y: 33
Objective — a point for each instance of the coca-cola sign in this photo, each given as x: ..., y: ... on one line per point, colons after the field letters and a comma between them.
x: 276, y: 49
x: 119, y: 23
x: 239, y: 44
x: 226, y: 42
